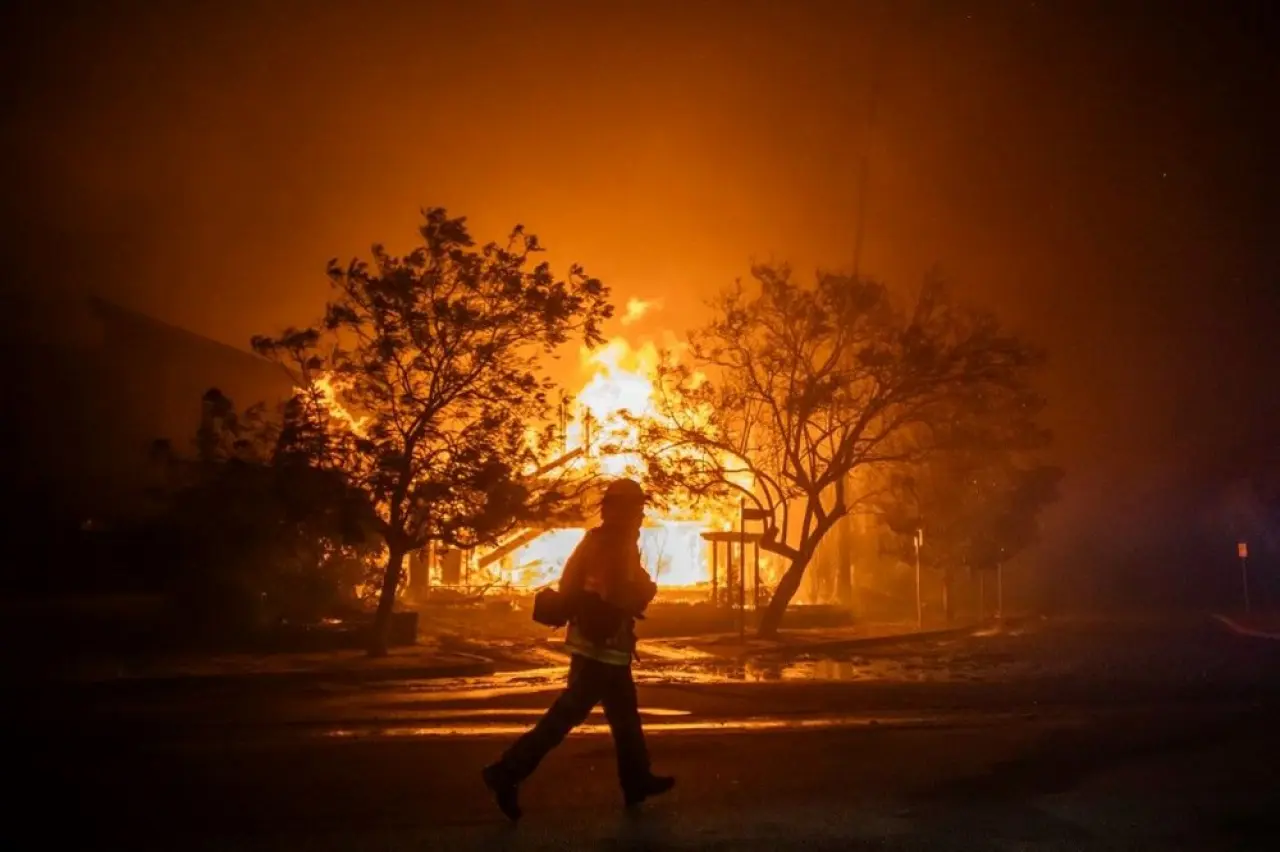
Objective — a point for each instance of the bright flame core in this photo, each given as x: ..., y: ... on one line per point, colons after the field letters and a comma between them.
x: 674, y: 551
x: 620, y: 388
x: 636, y: 310
x: 328, y: 390
x: 619, y: 385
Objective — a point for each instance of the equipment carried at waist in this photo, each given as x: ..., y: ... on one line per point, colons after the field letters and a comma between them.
x: 596, y: 618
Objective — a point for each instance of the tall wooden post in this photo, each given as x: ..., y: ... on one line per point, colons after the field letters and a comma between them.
x: 715, y: 574
x: 742, y: 573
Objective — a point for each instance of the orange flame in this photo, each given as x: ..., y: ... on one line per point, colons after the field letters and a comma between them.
x: 620, y: 388
x: 329, y: 392
x: 637, y: 308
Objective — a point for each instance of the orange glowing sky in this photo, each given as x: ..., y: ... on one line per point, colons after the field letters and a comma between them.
x: 1075, y: 167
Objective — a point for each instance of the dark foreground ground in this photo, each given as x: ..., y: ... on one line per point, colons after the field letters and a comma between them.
x: 1150, y: 734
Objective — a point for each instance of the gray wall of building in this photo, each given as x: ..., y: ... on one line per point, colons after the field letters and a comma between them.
x: 93, y: 385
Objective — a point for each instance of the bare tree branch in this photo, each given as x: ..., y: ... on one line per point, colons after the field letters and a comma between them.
x: 791, y: 389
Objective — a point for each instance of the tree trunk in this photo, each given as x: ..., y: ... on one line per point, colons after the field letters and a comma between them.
x: 787, y: 588
x: 386, y: 603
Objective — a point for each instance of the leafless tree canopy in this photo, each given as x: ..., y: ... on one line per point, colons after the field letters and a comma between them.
x: 792, y: 388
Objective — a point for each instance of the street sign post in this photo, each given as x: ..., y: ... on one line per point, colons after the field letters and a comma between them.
x: 919, y: 540
x: 749, y: 513
x: 1000, y: 591
x: 1242, y: 550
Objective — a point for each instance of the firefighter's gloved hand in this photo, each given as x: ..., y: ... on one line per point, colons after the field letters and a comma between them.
x: 637, y: 597
x: 648, y: 590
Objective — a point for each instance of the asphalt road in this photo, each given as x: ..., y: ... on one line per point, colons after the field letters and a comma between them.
x: 1137, y: 734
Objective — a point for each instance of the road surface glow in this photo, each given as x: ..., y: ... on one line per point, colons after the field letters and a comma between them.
x: 534, y: 712
x: 745, y: 725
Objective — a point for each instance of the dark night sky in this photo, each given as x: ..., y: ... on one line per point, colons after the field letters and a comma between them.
x: 1101, y: 172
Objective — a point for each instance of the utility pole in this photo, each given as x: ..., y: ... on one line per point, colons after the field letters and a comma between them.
x: 742, y: 572
x: 982, y: 595
x: 864, y: 164
x: 844, y: 561
x: 864, y: 168
x: 562, y: 419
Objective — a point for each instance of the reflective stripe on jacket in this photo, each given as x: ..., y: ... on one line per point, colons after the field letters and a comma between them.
x: 617, y: 651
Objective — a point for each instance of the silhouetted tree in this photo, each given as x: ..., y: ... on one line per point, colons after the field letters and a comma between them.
x: 245, y: 525
x: 424, y: 386
x: 979, y: 498
x: 789, y: 389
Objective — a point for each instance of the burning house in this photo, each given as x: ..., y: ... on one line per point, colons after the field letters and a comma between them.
x: 691, y: 553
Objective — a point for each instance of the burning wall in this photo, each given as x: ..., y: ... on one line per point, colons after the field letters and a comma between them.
x: 619, y: 383
x: 674, y: 552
